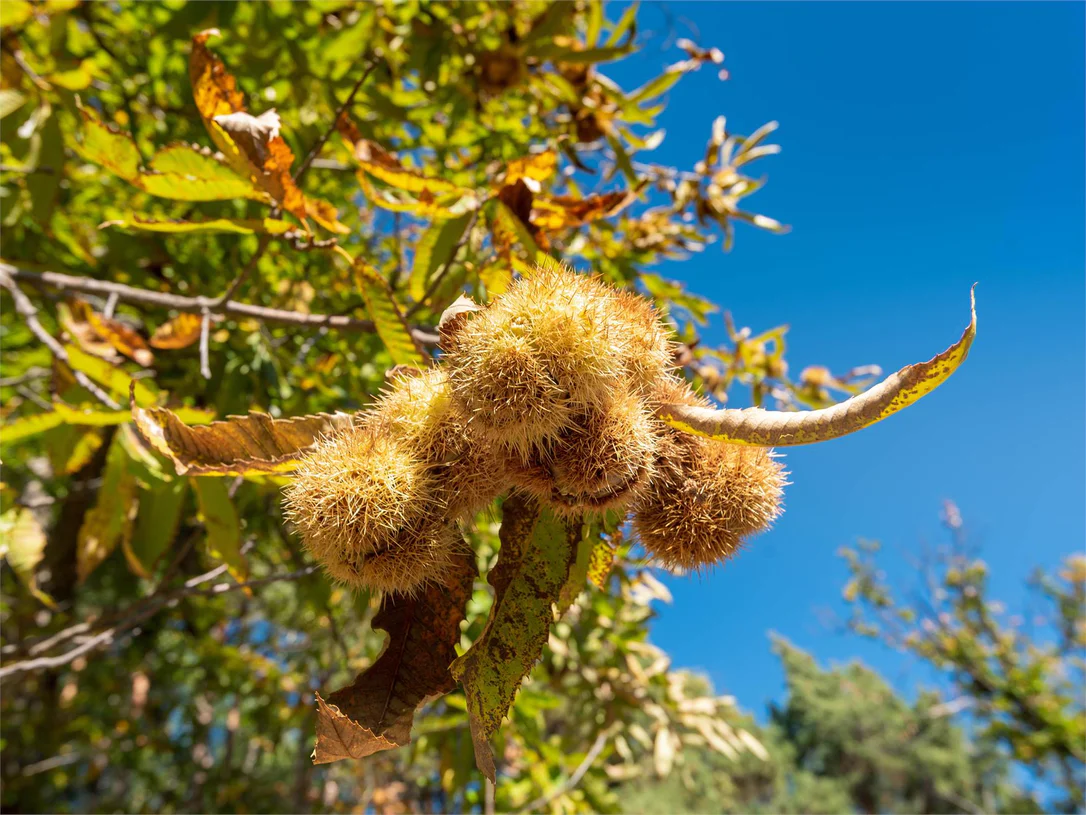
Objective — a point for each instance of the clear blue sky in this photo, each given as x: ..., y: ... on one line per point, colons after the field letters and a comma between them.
x: 925, y: 146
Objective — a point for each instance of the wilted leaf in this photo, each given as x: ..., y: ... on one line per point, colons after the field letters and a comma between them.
x: 110, y: 520
x: 533, y: 169
x: 434, y: 249
x: 390, y: 324
x: 563, y: 212
x: 223, y: 526
x: 156, y: 524
x: 237, y: 226
x: 178, y: 332
x: 22, y: 544
x: 118, y: 335
x: 770, y: 428
x: 376, y: 711
x: 255, y: 443
x: 537, y: 550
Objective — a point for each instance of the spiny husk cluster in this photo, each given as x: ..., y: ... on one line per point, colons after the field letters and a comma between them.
x: 551, y: 389
x: 706, y: 499
x: 378, y: 504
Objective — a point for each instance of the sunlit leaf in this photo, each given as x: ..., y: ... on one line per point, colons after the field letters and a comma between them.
x: 537, y: 551
x: 255, y: 443
x: 22, y: 544
x: 387, y: 319
x: 108, y: 147
x: 109, y: 376
x: 237, y: 226
x: 178, y: 332
x: 376, y: 711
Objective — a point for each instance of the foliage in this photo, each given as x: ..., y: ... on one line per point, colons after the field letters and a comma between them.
x: 1021, y: 686
x: 158, y: 612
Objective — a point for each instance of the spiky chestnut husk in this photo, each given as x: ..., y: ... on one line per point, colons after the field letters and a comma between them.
x: 705, y: 499
x: 419, y: 411
x: 415, y: 556
x: 650, y: 356
x: 601, y: 462
x: 556, y: 345
x: 354, y: 493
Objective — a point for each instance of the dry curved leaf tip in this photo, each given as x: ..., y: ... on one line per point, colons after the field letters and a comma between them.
x: 238, y: 445
x: 771, y: 428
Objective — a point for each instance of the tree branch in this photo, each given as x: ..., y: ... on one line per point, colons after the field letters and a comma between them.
x: 575, y: 779
x: 308, y: 160
x: 196, y: 305
x: 30, y: 317
x: 151, y: 606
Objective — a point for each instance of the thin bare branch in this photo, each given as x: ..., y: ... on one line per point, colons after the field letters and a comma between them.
x: 197, y: 305
x: 205, y: 334
x: 308, y: 160
x: 575, y: 779
x: 30, y: 316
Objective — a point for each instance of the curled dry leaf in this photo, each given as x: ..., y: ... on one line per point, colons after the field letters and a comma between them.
x: 376, y: 711
x: 96, y: 333
x: 771, y: 428
x: 251, y: 144
x: 537, y: 551
x: 239, y: 445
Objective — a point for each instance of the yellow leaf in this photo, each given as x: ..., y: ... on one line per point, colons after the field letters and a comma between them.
x: 109, y: 376
x: 237, y: 226
x: 387, y: 319
x: 564, y: 212
x: 178, y: 332
x: 537, y: 167
x: 22, y: 544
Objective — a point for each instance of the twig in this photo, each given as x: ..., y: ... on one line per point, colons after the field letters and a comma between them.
x: 30, y: 396
x: 29, y: 376
x: 444, y: 269
x: 111, y: 306
x: 575, y: 779
x: 304, y: 166
x: 235, y: 284
x: 152, y: 605
x: 197, y: 305
x: 205, y: 333
x: 30, y: 316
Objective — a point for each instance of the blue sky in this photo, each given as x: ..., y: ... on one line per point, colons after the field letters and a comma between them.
x: 925, y: 146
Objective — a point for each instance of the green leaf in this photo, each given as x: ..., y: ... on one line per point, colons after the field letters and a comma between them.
x: 156, y: 524
x: 537, y: 550
x: 387, y: 319
x: 29, y: 426
x: 10, y: 101
x: 108, y: 147
x: 434, y: 249
x: 237, y: 226
x: 625, y: 23
x: 221, y: 521
x: 109, y: 376
x: 22, y: 544
x: 654, y: 87
x: 44, y: 186
x: 111, y: 519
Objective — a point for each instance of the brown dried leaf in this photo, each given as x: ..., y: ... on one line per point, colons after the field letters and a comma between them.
x: 563, y: 212
x: 255, y: 443
x: 376, y: 711
x: 179, y: 332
